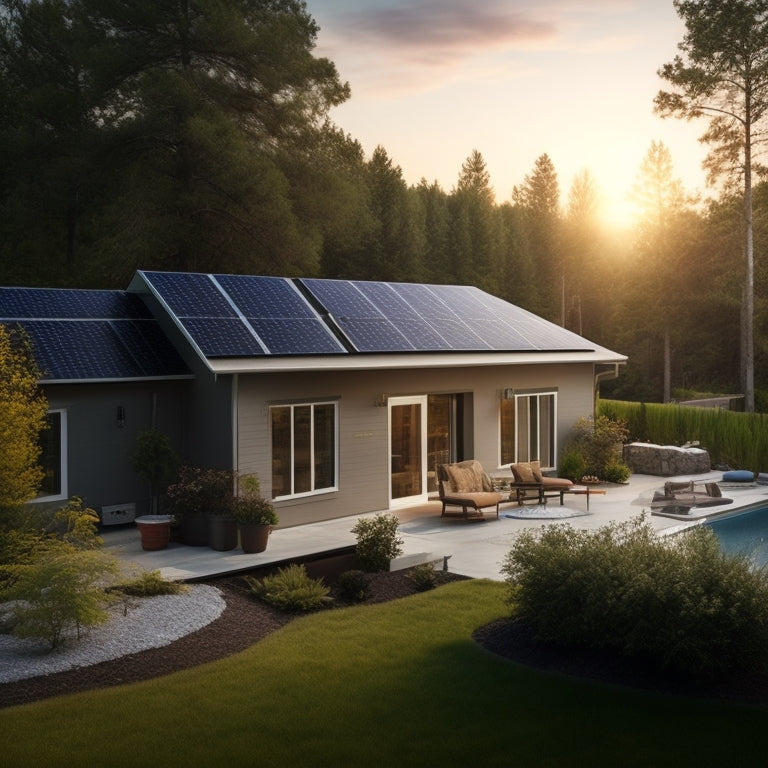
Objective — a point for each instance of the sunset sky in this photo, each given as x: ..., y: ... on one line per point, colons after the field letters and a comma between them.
x: 432, y: 80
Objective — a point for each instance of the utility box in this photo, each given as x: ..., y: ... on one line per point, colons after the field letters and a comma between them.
x: 117, y: 514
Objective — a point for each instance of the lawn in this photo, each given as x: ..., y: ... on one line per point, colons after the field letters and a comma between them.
x: 396, y: 684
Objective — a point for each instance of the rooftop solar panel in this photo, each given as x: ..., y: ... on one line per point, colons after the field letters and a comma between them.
x: 189, y: 294
x: 42, y: 303
x: 307, y: 336
x: 268, y: 297
x: 217, y: 337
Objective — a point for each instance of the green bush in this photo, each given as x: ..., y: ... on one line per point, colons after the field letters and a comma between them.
x: 377, y: 541
x: 354, y: 585
x: 290, y: 589
x: 149, y: 584
x: 615, y: 472
x: 423, y: 576
x: 572, y: 465
x: 676, y: 601
x: 598, y: 442
x: 62, y: 590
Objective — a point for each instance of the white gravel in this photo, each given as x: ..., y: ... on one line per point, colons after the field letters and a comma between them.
x: 151, y: 622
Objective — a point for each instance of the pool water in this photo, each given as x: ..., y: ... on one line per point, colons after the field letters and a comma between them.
x: 745, y: 533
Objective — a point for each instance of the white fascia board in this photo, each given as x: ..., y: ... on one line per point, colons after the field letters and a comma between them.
x: 270, y: 364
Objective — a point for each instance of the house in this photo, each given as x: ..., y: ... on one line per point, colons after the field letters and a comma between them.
x: 341, y: 395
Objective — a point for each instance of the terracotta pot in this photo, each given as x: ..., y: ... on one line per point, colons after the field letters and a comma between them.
x: 155, y: 531
x: 254, y: 538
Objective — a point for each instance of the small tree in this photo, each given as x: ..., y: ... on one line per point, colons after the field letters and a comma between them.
x: 598, y: 441
x: 23, y: 410
x: 155, y: 460
x: 377, y: 541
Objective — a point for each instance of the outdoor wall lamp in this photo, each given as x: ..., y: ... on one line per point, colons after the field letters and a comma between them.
x: 120, y: 416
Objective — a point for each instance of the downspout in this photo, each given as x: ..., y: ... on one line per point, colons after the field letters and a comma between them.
x: 611, y: 373
x: 234, y: 402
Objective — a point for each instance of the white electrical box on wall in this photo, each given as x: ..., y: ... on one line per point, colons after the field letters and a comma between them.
x: 115, y: 514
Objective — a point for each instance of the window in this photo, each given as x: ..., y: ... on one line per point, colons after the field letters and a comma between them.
x: 528, y: 427
x: 304, y: 439
x: 53, y: 457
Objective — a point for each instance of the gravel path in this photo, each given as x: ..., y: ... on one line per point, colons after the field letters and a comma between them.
x: 149, y: 623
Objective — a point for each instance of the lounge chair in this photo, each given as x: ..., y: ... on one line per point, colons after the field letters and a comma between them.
x: 466, y: 490
x: 530, y: 484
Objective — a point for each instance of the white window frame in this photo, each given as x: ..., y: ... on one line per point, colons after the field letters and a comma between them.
x: 64, y: 461
x: 517, y: 397
x: 311, y: 404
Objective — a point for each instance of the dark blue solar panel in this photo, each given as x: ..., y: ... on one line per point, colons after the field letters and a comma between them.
x: 42, y: 303
x: 341, y: 298
x: 190, y: 295
x: 374, y: 335
x: 222, y: 337
x: 268, y: 297
x: 68, y: 350
x: 149, y: 347
x: 385, y: 297
x: 296, y: 337
x: 427, y: 302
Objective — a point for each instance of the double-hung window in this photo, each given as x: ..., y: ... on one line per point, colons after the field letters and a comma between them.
x: 304, y: 448
x: 528, y: 427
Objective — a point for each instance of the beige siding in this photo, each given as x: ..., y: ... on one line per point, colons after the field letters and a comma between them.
x: 363, y: 429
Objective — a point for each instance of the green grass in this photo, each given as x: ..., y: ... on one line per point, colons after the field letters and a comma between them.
x: 396, y: 684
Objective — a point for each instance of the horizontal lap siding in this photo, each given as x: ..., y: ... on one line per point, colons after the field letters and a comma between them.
x: 363, y: 429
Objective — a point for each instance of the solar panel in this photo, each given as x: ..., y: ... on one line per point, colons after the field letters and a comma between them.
x: 149, y: 347
x: 268, y: 297
x: 217, y: 337
x: 189, y: 294
x: 41, y: 303
x: 295, y: 337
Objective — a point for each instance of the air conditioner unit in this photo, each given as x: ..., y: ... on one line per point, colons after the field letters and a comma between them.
x: 116, y: 514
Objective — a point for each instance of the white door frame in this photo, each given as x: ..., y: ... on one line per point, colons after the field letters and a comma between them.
x: 422, y: 497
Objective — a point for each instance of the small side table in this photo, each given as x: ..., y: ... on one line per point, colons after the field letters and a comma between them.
x: 585, y: 490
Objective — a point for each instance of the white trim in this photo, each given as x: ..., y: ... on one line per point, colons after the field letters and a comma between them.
x: 422, y: 497
x: 357, y: 362
x: 64, y: 457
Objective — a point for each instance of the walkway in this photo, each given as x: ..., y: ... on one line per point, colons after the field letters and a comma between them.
x: 474, y: 548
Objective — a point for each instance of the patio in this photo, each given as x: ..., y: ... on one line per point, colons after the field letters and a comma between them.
x: 473, y: 548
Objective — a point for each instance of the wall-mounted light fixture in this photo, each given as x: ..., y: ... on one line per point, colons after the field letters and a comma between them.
x: 381, y: 401
x: 120, y: 416
x: 508, y: 394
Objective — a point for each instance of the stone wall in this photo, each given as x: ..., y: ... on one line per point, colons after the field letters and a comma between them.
x: 665, y: 460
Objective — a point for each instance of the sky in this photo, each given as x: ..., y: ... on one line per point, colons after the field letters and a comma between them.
x: 433, y: 80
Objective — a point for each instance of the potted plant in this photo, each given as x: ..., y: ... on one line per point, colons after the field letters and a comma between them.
x: 154, y: 460
x: 255, y: 516
x: 198, y: 494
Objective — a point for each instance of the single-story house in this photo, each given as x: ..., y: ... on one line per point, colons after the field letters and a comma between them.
x: 341, y: 395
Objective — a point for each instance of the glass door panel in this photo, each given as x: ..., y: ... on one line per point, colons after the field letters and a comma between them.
x: 407, y: 423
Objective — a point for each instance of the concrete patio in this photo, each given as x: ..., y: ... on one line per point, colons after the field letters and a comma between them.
x: 475, y: 548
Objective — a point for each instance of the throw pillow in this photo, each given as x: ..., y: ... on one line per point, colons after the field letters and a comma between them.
x: 523, y: 472
x: 462, y: 478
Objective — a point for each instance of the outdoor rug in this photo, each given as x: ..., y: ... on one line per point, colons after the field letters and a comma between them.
x: 543, y: 512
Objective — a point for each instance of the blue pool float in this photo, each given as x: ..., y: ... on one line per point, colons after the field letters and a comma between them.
x: 738, y: 476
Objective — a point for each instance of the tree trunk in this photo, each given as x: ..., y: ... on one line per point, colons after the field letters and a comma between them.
x: 748, y: 363
x: 667, y: 368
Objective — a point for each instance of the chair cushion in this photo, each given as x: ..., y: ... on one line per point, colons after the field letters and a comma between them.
x: 479, y: 499
x: 523, y: 472
x: 555, y: 482
x: 466, y: 476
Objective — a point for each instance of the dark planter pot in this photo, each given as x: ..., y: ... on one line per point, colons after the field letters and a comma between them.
x: 254, y: 538
x: 222, y: 533
x: 155, y: 531
x: 194, y: 530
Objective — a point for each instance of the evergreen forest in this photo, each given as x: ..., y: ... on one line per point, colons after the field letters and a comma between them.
x: 196, y: 136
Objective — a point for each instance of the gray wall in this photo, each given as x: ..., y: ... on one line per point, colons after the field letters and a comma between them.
x: 363, y: 427
x: 99, y: 451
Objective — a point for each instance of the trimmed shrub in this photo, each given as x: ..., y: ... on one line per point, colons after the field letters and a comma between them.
x: 354, y: 585
x: 149, y: 584
x: 290, y: 589
x: 377, y: 541
x: 423, y: 576
x: 676, y: 601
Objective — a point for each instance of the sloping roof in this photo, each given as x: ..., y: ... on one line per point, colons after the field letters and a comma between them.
x: 248, y: 323
x: 85, y: 335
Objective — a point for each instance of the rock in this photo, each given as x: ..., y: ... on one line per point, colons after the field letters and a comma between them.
x: 665, y: 460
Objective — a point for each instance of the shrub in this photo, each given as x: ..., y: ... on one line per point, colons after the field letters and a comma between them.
x: 616, y: 472
x: 149, y: 584
x: 598, y: 441
x: 290, y: 589
x: 354, y: 585
x: 63, y: 589
x: 423, y: 576
x: 377, y: 541
x: 572, y: 465
x: 677, y: 601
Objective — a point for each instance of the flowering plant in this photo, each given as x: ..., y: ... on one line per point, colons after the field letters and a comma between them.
x: 197, y: 490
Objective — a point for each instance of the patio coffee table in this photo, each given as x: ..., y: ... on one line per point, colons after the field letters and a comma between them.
x: 584, y: 490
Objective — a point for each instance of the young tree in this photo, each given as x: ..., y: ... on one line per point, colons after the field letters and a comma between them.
x: 723, y: 74
x: 23, y: 410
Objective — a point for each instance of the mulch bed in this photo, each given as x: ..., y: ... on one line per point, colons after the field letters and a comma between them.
x: 245, y: 621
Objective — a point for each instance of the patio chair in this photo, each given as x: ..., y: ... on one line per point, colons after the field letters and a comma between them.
x: 466, y: 490
x: 530, y: 484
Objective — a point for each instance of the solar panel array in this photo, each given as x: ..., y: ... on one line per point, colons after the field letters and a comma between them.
x: 90, y: 335
x: 246, y: 316
x: 243, y: 315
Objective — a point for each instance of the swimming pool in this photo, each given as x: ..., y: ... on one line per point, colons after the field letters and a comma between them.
x: 744, y: 533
